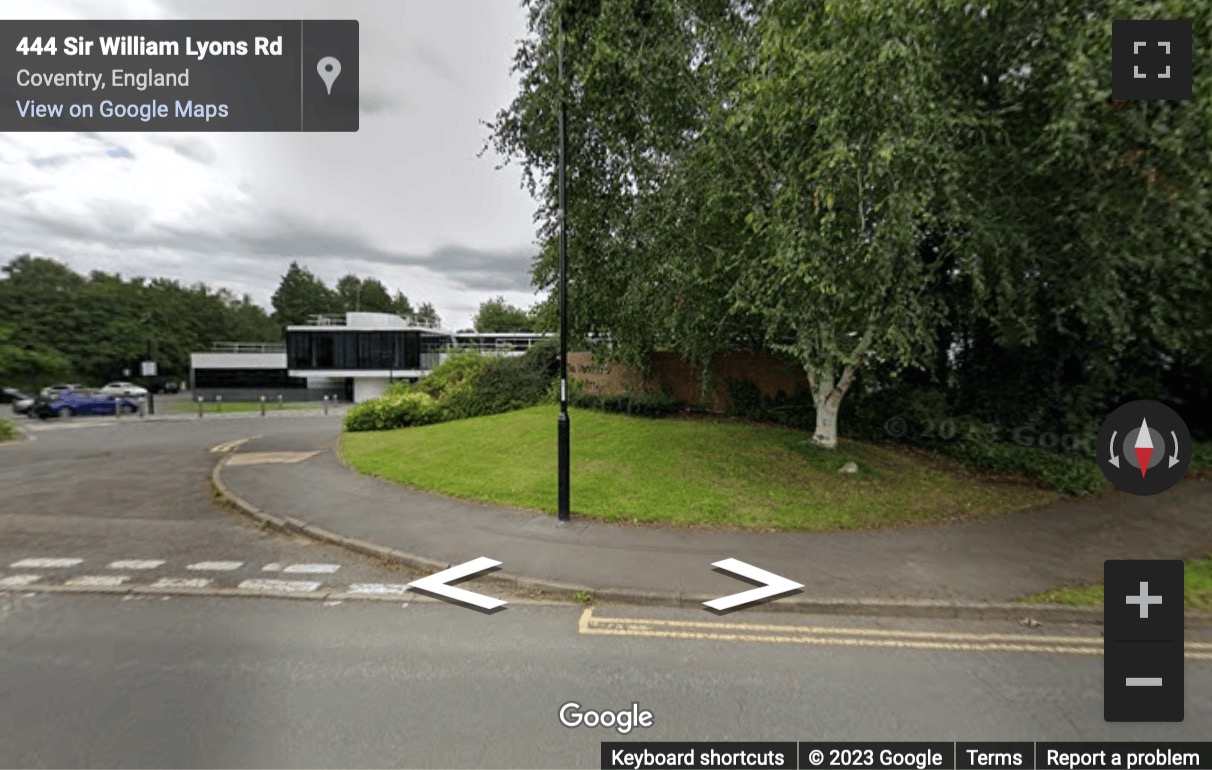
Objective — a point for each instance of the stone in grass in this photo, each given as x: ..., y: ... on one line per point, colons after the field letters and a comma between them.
x: 849, y: 467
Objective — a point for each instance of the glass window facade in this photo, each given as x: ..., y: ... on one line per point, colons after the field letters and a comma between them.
x: 357, y: 350
x: 246, y: 378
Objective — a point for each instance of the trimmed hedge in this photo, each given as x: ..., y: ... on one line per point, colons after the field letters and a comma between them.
x: 393, y: 410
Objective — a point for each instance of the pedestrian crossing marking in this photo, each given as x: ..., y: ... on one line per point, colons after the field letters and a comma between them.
x: 378, y: 588
x: 265, y: 584
x: 98, y: 581
x: 181, y: 583
x: 216, y: 566
x: 324, y: 569
x: 44, y: 563
x: 17, y: 581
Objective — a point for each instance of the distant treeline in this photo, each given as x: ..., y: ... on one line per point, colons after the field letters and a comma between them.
x: 56, y: 324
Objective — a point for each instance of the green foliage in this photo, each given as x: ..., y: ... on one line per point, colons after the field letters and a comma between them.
x: 1066, y: 472
x: 8, y: 431
x: 746, y: 399
x: 504, y: 384
x: 495, y: 315
x: 391, y: 411
x: 367, y: 295
x: 427, y: 314
x: 302, y: 295
x: 466, y: 384
x: 459, y: 367
x: 62, y: 325
x: 639, y: 403
x: 880, y: 186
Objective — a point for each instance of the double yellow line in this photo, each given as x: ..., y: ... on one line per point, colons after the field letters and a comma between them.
x: 706, y: 630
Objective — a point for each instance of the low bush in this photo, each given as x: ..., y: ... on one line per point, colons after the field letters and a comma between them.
x: 394, y: 410
x: 641, y: 403
x: 504, y: 384
x: 1066, y: 472
x: 8, y: 431
x: 458, y: 368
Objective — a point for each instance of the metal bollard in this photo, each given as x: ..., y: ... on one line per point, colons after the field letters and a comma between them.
x: 218, y: 403
x: 326, y: 405
x: 279, y: 401
x: 117, y: 408
x: 199, y: 407
x: 262, y: 406
x: 143, y: 407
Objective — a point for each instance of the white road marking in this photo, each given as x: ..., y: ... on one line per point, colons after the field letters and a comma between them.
x: 323, y: 569
x: 378, y: 588
x: 136, y: 563
x: 16, y: 581
x: 265, y: 458
x: 45, y: 563
x: 216, y: 566
x: 275, y: 567
x: 231, y: 446
x: 98, y: 581
x: 278, y: 585
x: 181, y: 583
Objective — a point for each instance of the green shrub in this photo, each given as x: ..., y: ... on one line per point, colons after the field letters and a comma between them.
x: 457, y: 368
x: 1070, y: 473
x: 746, y: 399
x: 641, y: 403
x: 392, y: 411
x: 508, y: 383
x: 8, y: 431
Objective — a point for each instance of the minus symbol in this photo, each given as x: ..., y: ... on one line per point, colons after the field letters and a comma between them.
x: 1144, y: 681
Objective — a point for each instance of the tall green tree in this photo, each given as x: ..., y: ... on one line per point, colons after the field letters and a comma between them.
x: 302, y: 295
x: 496, y: 315
x: 868, y: 184
x: 427, y: 314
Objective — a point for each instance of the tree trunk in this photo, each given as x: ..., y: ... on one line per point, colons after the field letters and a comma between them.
x: 827, y: 396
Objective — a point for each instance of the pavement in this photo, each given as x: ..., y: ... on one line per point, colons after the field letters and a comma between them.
x: 973, y: 568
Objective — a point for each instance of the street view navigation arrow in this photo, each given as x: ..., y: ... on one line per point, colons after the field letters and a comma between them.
x: 437, y: 584
x: 775, y: 585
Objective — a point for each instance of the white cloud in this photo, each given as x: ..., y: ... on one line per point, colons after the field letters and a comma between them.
x: 405, y: 199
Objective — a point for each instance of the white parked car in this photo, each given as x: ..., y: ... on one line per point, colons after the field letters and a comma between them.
x: 128, y: 389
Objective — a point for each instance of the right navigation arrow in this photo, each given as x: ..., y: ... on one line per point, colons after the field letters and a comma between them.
x: 774, y: 585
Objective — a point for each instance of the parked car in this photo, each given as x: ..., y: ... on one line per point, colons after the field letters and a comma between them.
x: 164, y: 385
x: 20, y: 401
x: 122, y: 389
x: 50, y: 391
x: 74, y: 402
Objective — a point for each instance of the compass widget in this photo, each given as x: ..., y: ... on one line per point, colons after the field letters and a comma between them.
x: 1143, y: 447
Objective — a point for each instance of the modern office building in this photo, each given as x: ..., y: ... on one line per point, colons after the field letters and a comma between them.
x: 352, y: 357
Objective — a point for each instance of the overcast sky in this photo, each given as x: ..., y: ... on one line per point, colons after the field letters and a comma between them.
x: 405, y: 199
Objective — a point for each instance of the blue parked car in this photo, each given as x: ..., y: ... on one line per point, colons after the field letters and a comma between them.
x: 72, y: 403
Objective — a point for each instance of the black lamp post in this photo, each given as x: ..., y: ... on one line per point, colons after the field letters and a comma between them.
x: 562, y: 426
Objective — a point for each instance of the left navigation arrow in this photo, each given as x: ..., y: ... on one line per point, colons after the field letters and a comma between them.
x: 438, y: 584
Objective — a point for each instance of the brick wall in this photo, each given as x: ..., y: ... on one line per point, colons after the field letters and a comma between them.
x: 769, y: 373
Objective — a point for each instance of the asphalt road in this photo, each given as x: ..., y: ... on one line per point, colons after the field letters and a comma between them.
x: 224, y: 681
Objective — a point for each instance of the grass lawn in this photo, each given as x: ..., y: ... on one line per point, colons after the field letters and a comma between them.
x: 209, y: 407
x: 1198, y: 581
x: 682, y: 472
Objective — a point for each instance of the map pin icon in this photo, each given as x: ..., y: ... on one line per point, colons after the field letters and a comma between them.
x: 329, y: 68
